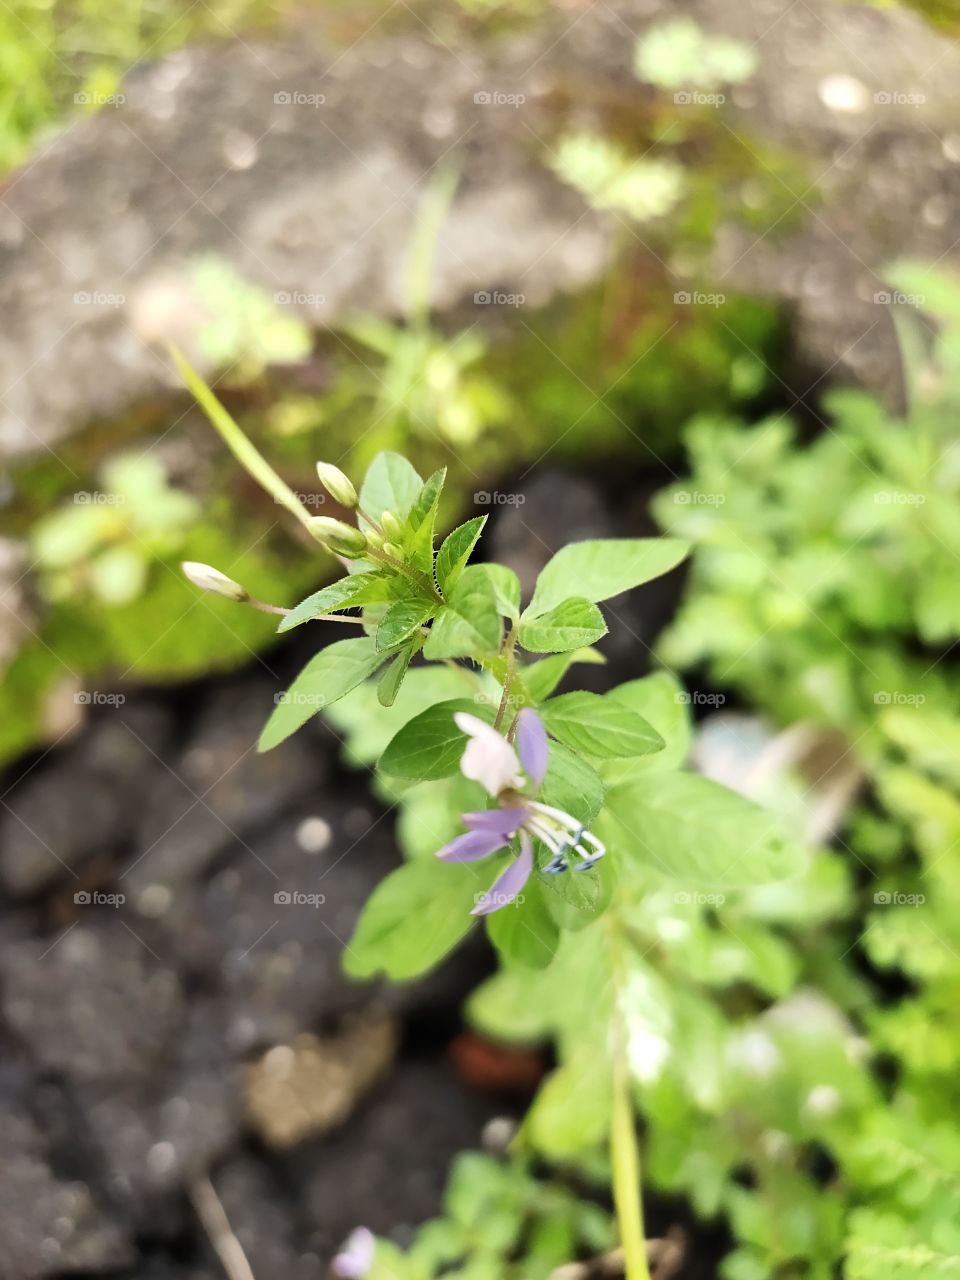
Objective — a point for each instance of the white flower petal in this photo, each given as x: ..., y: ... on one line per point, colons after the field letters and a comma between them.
x: 488, y: 758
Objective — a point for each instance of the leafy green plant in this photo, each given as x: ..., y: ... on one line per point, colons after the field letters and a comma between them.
x: 679, y: 54
x: 564, y: 822
x: 824, y: 590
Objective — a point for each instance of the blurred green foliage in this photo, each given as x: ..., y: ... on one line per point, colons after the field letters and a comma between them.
x: 824, y: 589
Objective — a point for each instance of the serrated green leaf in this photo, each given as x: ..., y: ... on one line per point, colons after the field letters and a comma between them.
x: 455, y: 551
x: 430, y: 745
x: 600, y: 726
x: 700, y: 833
x: 601, y: 568
x: 391, y: 484
x: 401, y: 620
x: 328, y: 675
x: 413, y: 918
x: 573, y: 624
x: 354, y: 589
x: 421, y: 521
x: 470, y: 624
x: 389, y: 684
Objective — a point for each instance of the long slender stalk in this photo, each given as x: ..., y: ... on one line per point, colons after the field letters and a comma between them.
x: 624, y: 1148
x: 242, y: 449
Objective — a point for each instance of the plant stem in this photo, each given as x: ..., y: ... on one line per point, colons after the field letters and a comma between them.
x: 242, y: 449
x: 510, y: 653
x: 263, y: 607
x: 624, y: 1148
x: 625, y: 1161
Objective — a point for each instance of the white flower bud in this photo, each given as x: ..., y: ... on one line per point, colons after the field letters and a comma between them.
x: 342, y: 538
x: 207, y: 578
x: 337, y: 484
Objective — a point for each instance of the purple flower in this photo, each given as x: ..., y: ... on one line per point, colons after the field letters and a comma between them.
x: 494, y: 762
x: 355, y: 1259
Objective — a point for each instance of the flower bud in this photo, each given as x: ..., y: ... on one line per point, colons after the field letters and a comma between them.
x: 342, y: 538
x: 390, y: 524
x: 337, y: 484
x: 207, y: 578
x: 374, y: 539
x: 391, y: 549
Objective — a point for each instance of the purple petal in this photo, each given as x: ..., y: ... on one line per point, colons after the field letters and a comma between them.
x: 509, y: 882
x: 532, y: 745
x: 356, y: 1258
x: 472, y: 846
x: 503, y: 821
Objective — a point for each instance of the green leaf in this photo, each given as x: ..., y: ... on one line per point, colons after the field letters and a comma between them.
x: 603, y: 567
x: 455, y: 551
x: 328, y: 675
x: 470, y: 625
x: 392, y: 678
x: 541, y: 678
x: 696, y: 831
x: 391, y: 484
x: 599, y: 726
x: 572, y: 624
x: 506, y: 589
x: 572, y: 784
x: 421, y: 522
x: 524, y: 932
x: 663, y: 702
x: 354, y: 589
x: 430, y: 745
x: 571, y: 1113
x: 401, y: 620
x: 412, y: 919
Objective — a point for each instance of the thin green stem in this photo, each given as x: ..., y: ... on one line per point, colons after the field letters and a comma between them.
x: 242, y: 449
x: 624, y: 1148
x: 509, y: 652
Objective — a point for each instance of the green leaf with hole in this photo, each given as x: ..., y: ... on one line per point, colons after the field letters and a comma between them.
x: 573, y: 624
x: 328, y: 675
x: 430, y: 745
x: 603, y: 567
x: 599, y: 726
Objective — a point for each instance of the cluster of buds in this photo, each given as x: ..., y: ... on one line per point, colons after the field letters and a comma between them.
x: 337, y: 536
